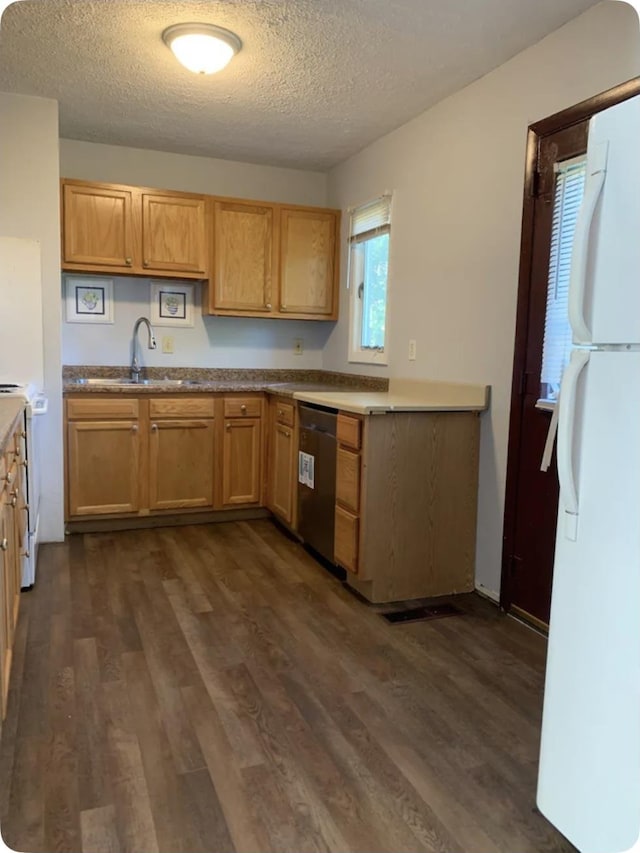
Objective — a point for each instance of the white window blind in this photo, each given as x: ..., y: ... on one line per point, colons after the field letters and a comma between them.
x: 569, y: 191
x: 371, y: 219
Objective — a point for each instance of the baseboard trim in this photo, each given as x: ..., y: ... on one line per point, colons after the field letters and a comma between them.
x: 108, y: 525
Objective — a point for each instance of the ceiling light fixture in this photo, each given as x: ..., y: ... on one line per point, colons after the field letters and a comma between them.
x: 202, y: 48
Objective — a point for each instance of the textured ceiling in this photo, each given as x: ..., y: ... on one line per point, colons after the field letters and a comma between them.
x: 316, y: 80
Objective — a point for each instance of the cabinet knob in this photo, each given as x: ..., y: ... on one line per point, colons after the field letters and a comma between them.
x: 145, y: 263
x: 287, y: 434
x: 154, y: 427
x: 268, y: 306
x: 14, y: 502
x: 128, y: 261
x: 9, y: 478
x: 227, y: 426
x: 23, y: 434
x: 243, y: 408
x: 134, y: 428
x: 284, y: 307
x: 25, y: 464
x: 4, y: 545
x: 280, y: 412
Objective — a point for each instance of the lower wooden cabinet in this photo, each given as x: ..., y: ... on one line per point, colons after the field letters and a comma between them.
x: 13, y: 543
x: 181, y: 464
x: 103, y: 464
x: 406, y: 497
x: 241, y: 461
x: 129, y: 456
x: 283, y: 448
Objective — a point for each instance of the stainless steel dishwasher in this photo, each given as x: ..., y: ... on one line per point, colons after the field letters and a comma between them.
x: 317, y: 478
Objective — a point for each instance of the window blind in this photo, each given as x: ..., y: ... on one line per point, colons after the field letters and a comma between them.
x: 557, y: 344
x: 371, y: 219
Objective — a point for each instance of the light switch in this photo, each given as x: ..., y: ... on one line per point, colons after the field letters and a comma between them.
x: 167, y: 344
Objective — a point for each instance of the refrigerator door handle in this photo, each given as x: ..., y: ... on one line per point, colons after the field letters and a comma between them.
x: 597, y: 169
x: 566, y: 422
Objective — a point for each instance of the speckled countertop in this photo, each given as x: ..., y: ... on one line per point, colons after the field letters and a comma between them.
x: 10, y: 410
x: 210, y: 380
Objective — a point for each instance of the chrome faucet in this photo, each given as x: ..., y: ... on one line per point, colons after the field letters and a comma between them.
x: 135, y: 366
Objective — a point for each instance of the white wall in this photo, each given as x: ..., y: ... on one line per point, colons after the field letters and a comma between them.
x: 215, y: 341
x: 212, y: 342
x: 29, y: 208
x: 457, y: 176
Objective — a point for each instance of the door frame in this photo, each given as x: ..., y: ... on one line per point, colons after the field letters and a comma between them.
x: 536, y: 132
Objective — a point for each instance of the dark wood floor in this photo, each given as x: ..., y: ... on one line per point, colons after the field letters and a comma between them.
x: 212, y: 688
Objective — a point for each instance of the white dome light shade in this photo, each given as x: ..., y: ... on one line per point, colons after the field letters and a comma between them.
x: 202, y: 48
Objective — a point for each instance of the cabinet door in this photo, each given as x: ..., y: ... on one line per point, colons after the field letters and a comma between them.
x: 307, y: 262
x: 241, y: 461
x: 181, y: 464
x: 244, y: 257
x: 103, y: 466
x: 174, y: 233
x: 348, y: 478
x: 97, y: 227
x: 281, y: 471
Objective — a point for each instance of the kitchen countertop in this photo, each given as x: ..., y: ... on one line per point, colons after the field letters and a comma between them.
x: 403, y: 396
x: 10, y: 410
x: 283, y: 383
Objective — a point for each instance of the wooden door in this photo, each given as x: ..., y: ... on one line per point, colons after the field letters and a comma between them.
x: 532, y: 495
x: 103, y: 467
x: 282, y: 471
x: 307, y: 262
x: 241, y: 461
x: 97, y: 227
x: 244, y: 257
x: 174, y: 233
x: 181, y: 464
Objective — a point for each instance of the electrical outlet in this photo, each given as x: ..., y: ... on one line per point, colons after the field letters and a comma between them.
x: 298, y: 347
x: 412, y: 350
x: 167, y: 344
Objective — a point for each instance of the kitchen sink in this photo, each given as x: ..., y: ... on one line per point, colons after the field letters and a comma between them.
x: 166, y: 383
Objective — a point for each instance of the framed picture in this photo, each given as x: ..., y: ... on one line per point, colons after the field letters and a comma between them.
x: 171, y: 304
x: 89, y: 299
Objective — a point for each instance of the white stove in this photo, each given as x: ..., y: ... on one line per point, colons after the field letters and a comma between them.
x: 36, y: 405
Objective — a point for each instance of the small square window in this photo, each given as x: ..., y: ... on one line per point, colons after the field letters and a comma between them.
x: 368, y: 280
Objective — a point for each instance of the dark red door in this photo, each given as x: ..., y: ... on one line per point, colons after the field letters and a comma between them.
x: 532, y: 496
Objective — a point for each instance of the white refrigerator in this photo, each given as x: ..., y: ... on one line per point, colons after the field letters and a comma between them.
x: 589, y: 776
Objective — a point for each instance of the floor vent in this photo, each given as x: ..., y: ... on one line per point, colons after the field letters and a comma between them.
x: 420, y: 614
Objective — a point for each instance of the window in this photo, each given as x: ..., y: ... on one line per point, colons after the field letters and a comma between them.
x: 368, y: 275
x: 557, y: 331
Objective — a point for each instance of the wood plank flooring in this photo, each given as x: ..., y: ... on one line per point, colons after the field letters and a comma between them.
x: 212, y: 688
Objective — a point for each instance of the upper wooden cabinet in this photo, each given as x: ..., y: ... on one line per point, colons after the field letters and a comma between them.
x: 174, y: 233
x: 259, y: 259
x: 308, y: 262
x: 133, y: 230
x: 97, y: 227
x: 244, y: 259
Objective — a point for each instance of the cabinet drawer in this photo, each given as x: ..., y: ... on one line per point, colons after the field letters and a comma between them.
x: 346, y: 539
x: 284, y: 413
x: 176, y: 407
x: 348, y: 431
x: 243, y: 407
x: 348, y: 478
x: 102, y: 408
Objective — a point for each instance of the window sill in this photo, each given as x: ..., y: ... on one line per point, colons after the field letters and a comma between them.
x: 363, y: 357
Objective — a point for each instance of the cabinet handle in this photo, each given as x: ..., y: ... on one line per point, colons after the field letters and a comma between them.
x: 23, y: 434
x: 287, y: 434
x: 25, y: 464
x: 280, y: 412
x: 154, y: 427
x: 227, y: 426
x: 26, y: 554
x: 268, y: 306
x: 134, y: 428
x: 243, y: 408
x: 128, y: 261
x: 145, y: 263
x: 283, y: 306
x: 4, y: 545
x: 14, y: 502
x: 9, y: 478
